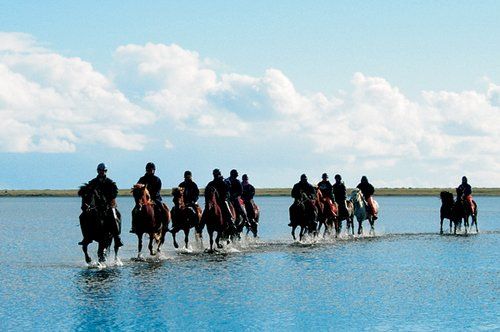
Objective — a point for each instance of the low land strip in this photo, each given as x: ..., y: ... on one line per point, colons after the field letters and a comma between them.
x: 259, y: 192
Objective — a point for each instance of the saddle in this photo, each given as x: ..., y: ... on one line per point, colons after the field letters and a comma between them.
x: 470, y: 202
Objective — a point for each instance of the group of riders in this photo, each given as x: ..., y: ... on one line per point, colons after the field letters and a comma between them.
x: 335, y: 193
x: 232, y: 195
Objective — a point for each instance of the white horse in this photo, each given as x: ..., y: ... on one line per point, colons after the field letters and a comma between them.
x: 361, y: 212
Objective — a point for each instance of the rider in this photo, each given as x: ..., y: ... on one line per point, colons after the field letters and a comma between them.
x: 247, y: 196
x: 108, y: 190
x: 302, y: 187
x: 367, y: 190
x: 191, y: 191
x: 153, y: 184
x: 340, y: 193
x: 326, y: 187
x: 222, y: 194
x: 466, y: 192
x: 235, y: 192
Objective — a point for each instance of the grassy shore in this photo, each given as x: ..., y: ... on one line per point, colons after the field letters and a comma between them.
x: 259, y: 192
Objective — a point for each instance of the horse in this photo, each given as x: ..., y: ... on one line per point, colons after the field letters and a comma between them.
x: 148, y: 218
x: 303, y: 213
x: 212, y: 218
x: 469, y: 209
x: 183, y: 217
x: 253, y: 214
x: 457, y: 211
x: 95, y: 222
x: 346, y: 214
x: 327, y: 213
x: 446, y: 210
x: 361, y: 212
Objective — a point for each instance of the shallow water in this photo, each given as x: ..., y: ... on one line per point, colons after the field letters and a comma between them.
x: 407, y: 277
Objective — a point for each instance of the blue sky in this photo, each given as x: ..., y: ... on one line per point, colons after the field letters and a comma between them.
x: 403, y: 92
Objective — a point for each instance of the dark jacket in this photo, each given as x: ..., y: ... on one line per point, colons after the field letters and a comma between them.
x: 339, y: 191
x: 235, y: 188
x: 191, y: 191
x: 326, y: 189
x: 153, y: 184
x: 248, y: 191
x: 106, y: 187
x: 305, y: 187
x: 222, y: 188
x: 367, y: 189
x: 465, y: 189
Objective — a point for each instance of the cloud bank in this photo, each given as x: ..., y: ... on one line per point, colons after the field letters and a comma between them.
x: 53, y: 103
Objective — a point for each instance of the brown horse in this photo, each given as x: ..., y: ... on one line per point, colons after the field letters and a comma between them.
x: 346, y: 213
x: 149, y: 218
x: 183, y: 217
x: 327, y: 213
x: 212, y: 218
x: 303, y: 213
x: 95, y: 222
x: 457, y: 211
x: 253, y: 214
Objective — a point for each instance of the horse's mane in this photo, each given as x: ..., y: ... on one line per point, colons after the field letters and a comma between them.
x: 83, y: 189
x: 446, y: 197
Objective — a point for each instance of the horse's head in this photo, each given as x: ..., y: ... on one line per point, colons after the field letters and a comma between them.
x: 141, y: 194
x: 90, y: 196
x: 178, y: 196
x: 210, y: 194
x: 446, y: 197
x: 355, y: 194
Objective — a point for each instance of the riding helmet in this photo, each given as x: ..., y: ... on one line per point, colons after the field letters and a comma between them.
x: 102, y: 167
x: 150, y: 165
x: 233, y: 173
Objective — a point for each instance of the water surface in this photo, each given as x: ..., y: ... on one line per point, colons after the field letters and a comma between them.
x: 407, y: 277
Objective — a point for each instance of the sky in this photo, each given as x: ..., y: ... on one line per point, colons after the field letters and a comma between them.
x: 404, y: 92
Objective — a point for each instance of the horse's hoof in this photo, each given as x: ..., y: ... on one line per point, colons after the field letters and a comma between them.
x: 88, y: 260
x: 176, y: 246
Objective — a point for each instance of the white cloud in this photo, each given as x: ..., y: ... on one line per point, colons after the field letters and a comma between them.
x: 53, y: 103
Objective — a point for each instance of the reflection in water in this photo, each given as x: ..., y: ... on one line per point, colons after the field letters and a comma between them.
x: 96, y: 294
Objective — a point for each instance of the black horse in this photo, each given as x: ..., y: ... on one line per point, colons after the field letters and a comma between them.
x: 303, y: 214
x: 96, y: 222
x: 183, y: 217
x: 456, y: 211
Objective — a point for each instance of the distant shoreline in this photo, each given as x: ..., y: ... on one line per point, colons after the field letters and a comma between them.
x: 259, y: 192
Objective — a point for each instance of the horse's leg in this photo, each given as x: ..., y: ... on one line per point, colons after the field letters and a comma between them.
x: 451, y: 226
x: 441, y: 231
x: 217, y: 240
x: 360, y: 227
x: 301, y: 233
x: 466, y: 223
x: 150, y: 245
x: 176, y: 245
x: 186, y: 236
x: 139, y: 245
x: 293, y: 232
x: 336, y: 223
x: 100, y: 252
x: 372, y: 225
x: 211, y: 237
x: 253, y: 227
x: 85, y: 246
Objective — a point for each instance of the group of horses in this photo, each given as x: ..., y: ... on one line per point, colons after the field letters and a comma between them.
x: 310, y: 214
x: 149, y: 218
x: 457, y: 211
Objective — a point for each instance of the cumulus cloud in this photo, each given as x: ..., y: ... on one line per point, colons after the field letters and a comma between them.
x: 52, y: 103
